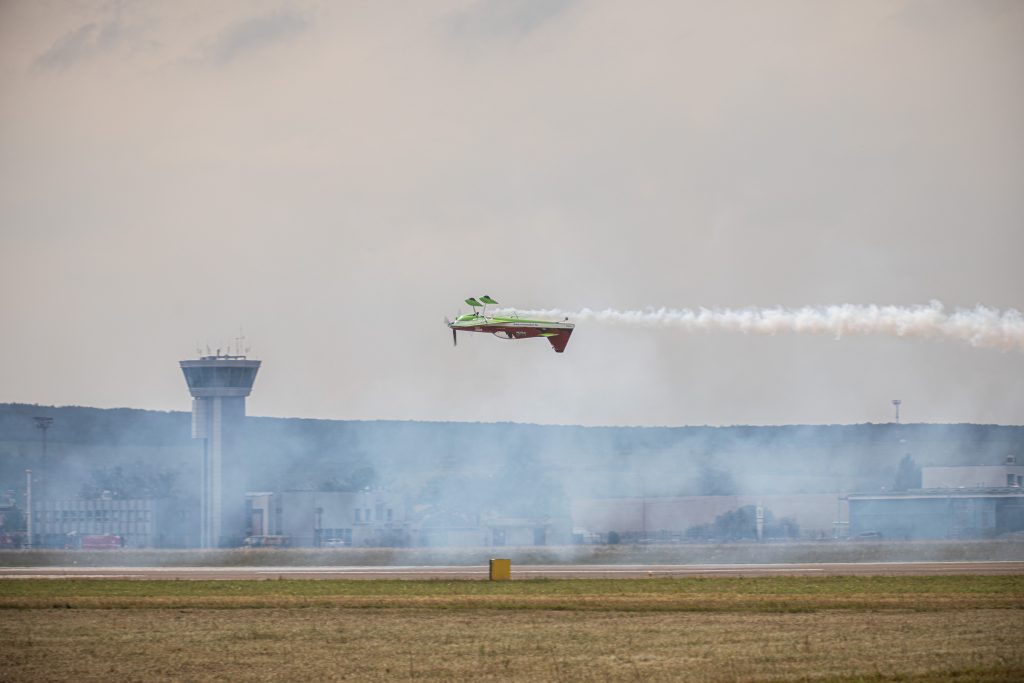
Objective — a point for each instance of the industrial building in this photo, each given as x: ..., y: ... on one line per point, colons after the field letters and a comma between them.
x: 954, y: 502
x: 670, y: 517
x: 440, y: 527
x: 374, y: 517
x: 381, y: 518
x: 145, y: 523
x: 938, y: 513
x: 219, y: 385
x: 527, y: 531
x: 993, y: 476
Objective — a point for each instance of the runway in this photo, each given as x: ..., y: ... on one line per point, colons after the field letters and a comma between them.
x: 551, y: 571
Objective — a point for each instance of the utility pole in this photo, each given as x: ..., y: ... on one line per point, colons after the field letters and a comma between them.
x: 43, y: 424
x: 28, y: 505
x: 643, y: 519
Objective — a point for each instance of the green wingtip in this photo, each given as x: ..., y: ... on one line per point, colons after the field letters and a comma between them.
x: 487, y: 300
x: 473, y: 302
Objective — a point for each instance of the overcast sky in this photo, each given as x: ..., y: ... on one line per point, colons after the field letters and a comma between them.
x: 336, y: 177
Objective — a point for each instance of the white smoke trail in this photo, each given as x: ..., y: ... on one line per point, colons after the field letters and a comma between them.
x: 980, y: 326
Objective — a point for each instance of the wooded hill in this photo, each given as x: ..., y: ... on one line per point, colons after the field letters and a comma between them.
x: 90, y: 448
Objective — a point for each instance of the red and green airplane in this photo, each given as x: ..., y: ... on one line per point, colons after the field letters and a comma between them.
x: 509, y: 328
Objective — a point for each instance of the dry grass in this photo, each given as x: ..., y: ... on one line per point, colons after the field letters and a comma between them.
x: 429, y: 644
x: 778, y: 628
x: 565, y: 603
x: 764, y: 594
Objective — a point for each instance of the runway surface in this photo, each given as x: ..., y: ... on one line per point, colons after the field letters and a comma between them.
x: 550, y: 571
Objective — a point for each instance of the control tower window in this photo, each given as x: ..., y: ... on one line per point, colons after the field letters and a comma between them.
x: 216, y: 377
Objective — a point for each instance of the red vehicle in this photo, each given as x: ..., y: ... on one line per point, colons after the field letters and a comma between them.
x: 100, y: 542
x: 12, y: 540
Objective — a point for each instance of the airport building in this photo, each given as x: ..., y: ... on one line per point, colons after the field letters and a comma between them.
x: 993, y: 476
x: 668, y: 518
x: 369, y: 518
x: 381, y: 518
x: 954, y: 502
x: 219, y: 385
x: 980, y: 512
x: 440, y: 527
x: 527, y: 531
x: 142, y: 523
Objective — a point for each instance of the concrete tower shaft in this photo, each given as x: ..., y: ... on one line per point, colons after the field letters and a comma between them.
x: 219, y: 386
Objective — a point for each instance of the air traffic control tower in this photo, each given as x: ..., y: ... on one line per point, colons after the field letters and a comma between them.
x: 219, y: 385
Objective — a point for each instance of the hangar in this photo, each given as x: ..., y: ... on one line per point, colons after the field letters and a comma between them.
x: 980, y: 512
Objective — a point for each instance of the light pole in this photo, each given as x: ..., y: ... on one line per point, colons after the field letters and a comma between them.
x: 43, y: 424
x: 643, y: 519
x: 28, y: 505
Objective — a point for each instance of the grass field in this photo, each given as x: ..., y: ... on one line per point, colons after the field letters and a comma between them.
x: 721, y: 629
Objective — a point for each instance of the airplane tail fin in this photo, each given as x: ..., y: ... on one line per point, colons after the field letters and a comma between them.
x: 559, y: 340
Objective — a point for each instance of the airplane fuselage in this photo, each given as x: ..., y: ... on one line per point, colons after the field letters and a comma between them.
x: 557, y: 333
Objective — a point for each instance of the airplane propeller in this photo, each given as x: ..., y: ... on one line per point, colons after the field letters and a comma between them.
x: 455, y: 336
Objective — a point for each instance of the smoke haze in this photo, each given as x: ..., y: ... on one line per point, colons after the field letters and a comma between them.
x: 480, y: 470
x: 981, y: 327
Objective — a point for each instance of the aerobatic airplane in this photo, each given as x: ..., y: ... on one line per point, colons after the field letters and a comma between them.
x: 509, y: 328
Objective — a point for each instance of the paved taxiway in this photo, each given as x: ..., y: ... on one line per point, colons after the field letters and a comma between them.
x: 549, y: 571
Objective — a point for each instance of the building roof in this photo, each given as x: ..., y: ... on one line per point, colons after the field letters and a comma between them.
x: 961, y: 492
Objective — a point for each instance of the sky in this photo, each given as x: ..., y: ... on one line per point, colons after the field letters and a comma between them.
x: 332, y: 179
